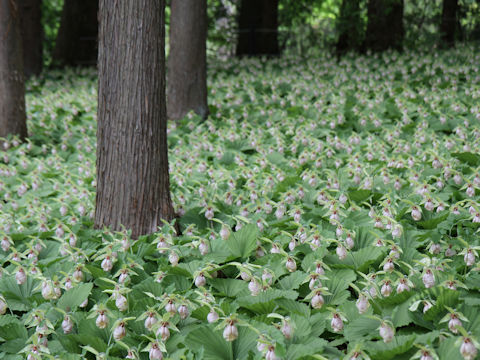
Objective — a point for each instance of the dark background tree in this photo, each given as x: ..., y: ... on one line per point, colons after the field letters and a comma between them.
x: 258, y: 28
x: 77, y: 36
x: 12, y: 87
x: 349, y: 26
x: 449, y: 22
x: 133, y: 187
x: 385, y: 25
x: 187, y: 61
x: 32, y: 36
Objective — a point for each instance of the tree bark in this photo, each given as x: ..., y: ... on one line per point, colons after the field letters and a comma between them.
x: 349, y: 27
x: 77, y: 36
x: 449, y: 22
x: 12, y: 86
x: 258, y: 28
x: 32, y: 36
x: 385, y: 25
x: 133, y: 186
x: 187, y: 62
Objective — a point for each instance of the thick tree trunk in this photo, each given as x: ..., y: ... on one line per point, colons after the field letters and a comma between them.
x: 133, y: 187
x: 258, y: 28
x: 385, y: 25
x: 12, y: 86
x: 349, y: 27
x: 187, y: 62
x: 77, y: 36
x: 449, y: 22
x: 32, y: 36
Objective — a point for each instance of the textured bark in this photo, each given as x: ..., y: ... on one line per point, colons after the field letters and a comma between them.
x: 187, y: 61
x: 77, y: 36
x: 385, y: 25
x: 258, y: 27
x: 133, y: 187
x: 12, y: 86
x: 349, y: 27
x: 449, y: 22
x: 32, y: 36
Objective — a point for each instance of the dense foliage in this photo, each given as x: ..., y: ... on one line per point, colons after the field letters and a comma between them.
x: 328, y: 210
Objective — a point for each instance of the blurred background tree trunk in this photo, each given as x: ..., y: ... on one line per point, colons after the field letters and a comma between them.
x: 12, y: 86
x: 449, y: 22
x: 77, y: 36
x: 385, y: 25
x: 258, y: 28
x: 32, y: 36
x: 349, y: 27
x: 187, y: 61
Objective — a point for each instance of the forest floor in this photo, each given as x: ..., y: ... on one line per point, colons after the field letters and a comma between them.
x: 328, y: 210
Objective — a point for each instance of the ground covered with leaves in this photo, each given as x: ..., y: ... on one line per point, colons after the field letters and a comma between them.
x: 329, y: 210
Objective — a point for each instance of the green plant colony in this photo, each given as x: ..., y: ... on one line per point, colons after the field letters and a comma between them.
x: 329, y: 210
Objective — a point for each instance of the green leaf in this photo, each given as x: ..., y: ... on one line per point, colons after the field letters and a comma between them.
x: 359, y: 196
x: 214, y: 345
x: 399, y: 345
x: 229, y: 287
x: 243, y: 242
x: 468, y: 157
x: 361, y: 327
x: 75, y: 296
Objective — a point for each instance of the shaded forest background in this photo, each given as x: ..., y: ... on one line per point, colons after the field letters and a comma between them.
x: 303, y: 26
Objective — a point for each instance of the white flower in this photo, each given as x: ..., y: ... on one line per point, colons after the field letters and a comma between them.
x: 291, y: 265
x: 67, y: 325
x: 336, y: 323
x: 230, y: 332
x: 173, y: 258
x: 155, y: 353
x: 20, y: 276
x: 102, y: 321
x: 453, y: 323
x: 317, y: 301
x: 163, y: 332
x: 119, y: 332
x: 362, y: 304
x: 150, y: 321
x: 200, y: 280
x: 254, y: 287
x: 416, y: 214
x: 183, y: 312
x: 121, y: 302
x: 386, y: 332
x: 107, y: 264
x: 212, y: 316
x: 428, y: 278
x: 468, y: 349
x: 469, y: 258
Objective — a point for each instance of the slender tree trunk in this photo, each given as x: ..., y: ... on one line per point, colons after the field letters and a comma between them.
x: 449, y: 22
x: 133, y: 187
x: 187, y: 62
x: 77, y: 36
x: 258, y: 28
x: 32, y: 36
x: 349, y: 27
x: 12, y: 87
x: 385, y: 25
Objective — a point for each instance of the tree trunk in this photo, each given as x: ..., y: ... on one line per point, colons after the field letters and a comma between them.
x: 133, y: 187
x: 258, y: 28
x: 187, y: 62
x: 12, y: 86
x: 77, y: 36
x: 349, y: 27
x: 385, y: 25
x: 449, y: 22
x: 32, y: 36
